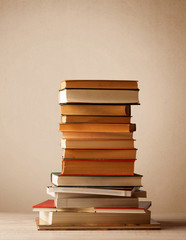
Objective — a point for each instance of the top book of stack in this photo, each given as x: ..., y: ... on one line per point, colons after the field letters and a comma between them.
x: 99, y: 92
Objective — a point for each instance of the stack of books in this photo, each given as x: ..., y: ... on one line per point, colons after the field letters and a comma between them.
x: 97, y: 187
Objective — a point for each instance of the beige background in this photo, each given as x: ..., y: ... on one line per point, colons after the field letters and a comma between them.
x: 43, y: 42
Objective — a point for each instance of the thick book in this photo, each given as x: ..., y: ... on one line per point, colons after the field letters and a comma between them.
x: 121, y: 192
x: 98, y: 167
x: 95, y: 110
x: 99, y: 84
x: 96, y: 127
x: 61, y: 218
x: 98, y: 215
x: 107, y: 181
x: 97, y: 135
x: 97, y: 143
x: 94, y: 119
x: 98, y: 96
x: 100, y: 153
x: 96, y: 202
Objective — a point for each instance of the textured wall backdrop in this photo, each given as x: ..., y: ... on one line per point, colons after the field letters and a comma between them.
x: 45, y: 41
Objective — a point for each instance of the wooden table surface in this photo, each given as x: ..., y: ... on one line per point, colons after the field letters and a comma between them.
x: 22, y: 226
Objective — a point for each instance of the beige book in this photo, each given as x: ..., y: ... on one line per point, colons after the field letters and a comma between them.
x: 96, y: 202
x: 98, y: 96
x: 78, y: 218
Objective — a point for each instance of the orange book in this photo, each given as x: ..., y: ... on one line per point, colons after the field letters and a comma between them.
x: 94, y: 119
x: 93, y: 127
x: 97, y: 167
x: 97, y: 143
x: 97, y: 135
x: 95, y: 110
x: 99, y: 84
x: 99, y: 153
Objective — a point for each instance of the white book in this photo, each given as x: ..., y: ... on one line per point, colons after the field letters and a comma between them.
x: 84, y: 190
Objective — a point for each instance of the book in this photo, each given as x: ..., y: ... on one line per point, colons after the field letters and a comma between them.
x: 122, y: 192
x: 96, y: 202
x: 86, y: 216
x: 97, y: 135
x: 96, y: 127
x: 97, y: 167
x: 95, y: 110
x: 97, y: 143
x: 99, y: 84
x: 62, y: 180
x: 98, y: 96
x: 100, y: 153
x: 49, y: 205
x: 94, y: 119
x: 136, y: 194
x: 143, y: 206
x: 61, y: 218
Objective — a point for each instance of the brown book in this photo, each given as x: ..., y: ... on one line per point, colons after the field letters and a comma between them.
x: 99, y: 84
x: 99, y: 153
x: 97, y: 167
x: 93, y: 127
x: 97, y: 135
x: 95, y: 110
x: 97, y: 143
x: 94, y: 119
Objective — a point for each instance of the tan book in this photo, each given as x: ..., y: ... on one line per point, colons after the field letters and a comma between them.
x: 107, y: 181
x: 96, y: 202
x: 49, y: 214
x: 98, y: 96
x: 94, y: 119
x: 99, y: 153
x: 98, y: 167
x: 100, y: 84
x: 97, y: 135
x: 91, y: 127
x: 85, y: 219
x: 95, y: 110
x: 97, y: 143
